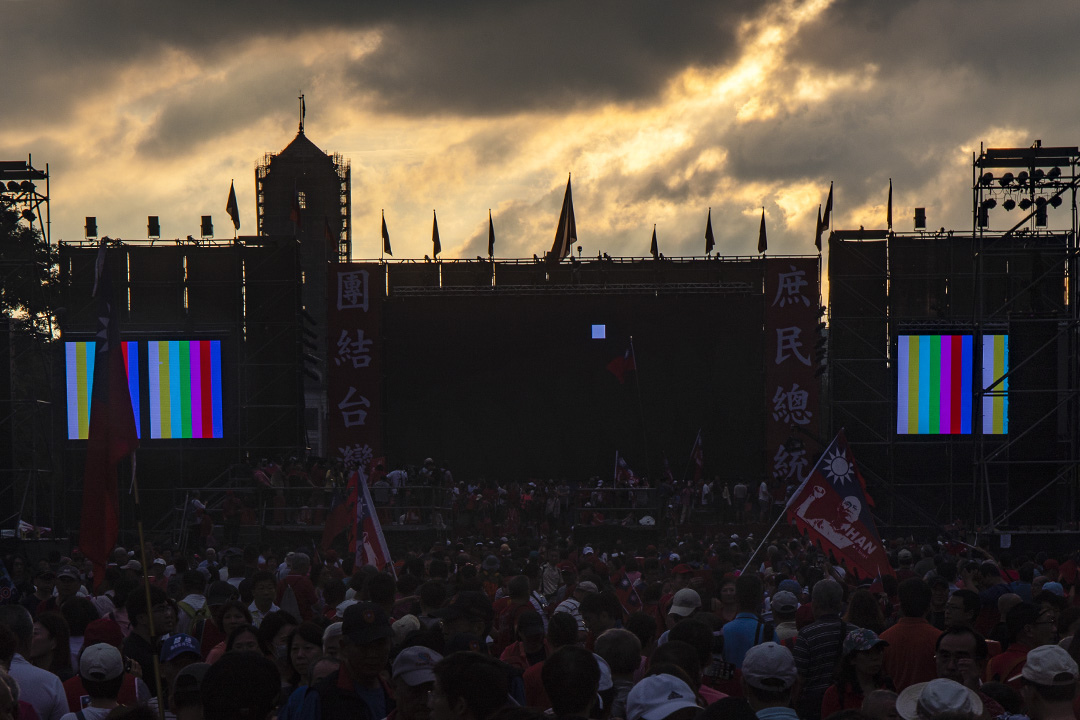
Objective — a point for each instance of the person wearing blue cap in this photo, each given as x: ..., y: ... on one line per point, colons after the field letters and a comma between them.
x: 177, y: 652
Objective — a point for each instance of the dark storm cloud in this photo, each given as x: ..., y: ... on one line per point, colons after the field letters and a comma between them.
x: 482, y: 56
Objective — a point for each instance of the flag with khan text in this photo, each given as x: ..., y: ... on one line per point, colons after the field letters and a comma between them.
x: 833, y: 507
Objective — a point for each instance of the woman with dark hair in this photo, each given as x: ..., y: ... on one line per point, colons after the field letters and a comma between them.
x: 231, y: 615
x: 304, y: 643
x: 865, y: 611
x: 859, y: 672
x: 49, y: 647
x: 275, y: 629
x: 79, y: 612
x: 724, y: 605
x: 246, y: 639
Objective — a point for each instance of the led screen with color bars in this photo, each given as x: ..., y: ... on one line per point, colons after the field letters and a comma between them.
x: 934, y: 384
x: 79, y: 370
x: 184, y: 387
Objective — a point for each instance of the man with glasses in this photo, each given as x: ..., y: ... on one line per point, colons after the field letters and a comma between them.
x: 961, y: 609
x: 961, y: 656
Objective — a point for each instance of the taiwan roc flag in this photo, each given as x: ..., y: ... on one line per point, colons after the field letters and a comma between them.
x: 833, y: 508
x: 371, y: 546
x: 112, y: 434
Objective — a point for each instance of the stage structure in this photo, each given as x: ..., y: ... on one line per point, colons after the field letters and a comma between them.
x: 518, y: 369
x: 952, y: 356
x: 26, y: 411
x: 212, y: 340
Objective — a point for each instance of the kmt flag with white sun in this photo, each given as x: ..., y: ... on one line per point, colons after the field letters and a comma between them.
x: 832, y: 506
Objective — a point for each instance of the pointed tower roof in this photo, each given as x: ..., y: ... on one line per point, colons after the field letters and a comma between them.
x: 301, y: 149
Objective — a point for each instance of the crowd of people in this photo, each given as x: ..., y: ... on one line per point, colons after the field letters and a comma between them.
x: 518, y: 628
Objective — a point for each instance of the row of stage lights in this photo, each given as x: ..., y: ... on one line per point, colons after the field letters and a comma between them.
x: 1021, y: 182
x: 153, y: 227
x: 20, y: 188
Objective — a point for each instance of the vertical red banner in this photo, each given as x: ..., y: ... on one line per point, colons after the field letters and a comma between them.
x: 792, y: 299
x: 354, y: 337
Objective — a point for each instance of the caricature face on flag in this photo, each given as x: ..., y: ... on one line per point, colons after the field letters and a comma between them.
x: 833, y: 508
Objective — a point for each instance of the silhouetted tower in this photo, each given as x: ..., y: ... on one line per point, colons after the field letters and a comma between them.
x: 305, y: 193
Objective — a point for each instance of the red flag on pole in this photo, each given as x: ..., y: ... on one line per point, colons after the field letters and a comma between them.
x: 341, y: 515
x: 112, y: 433
x: 622, y: 365
x: 371, y: 546
x: 833, y: 507
x: 627, y: 593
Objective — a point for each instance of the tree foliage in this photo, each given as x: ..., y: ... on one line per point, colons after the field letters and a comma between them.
x: 28, y: 271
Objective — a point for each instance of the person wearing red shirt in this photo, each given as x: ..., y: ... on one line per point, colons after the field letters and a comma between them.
x: 298, y: 581
x: 531, y: 647
x: 1029, y: 627
x: 909, y: 656
x: 562, y: 631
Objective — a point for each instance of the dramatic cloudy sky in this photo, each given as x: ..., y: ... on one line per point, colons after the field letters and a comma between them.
x: 660, y: 110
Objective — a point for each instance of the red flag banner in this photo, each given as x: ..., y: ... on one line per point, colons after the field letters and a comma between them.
x: 621, y: 366
x: 341, y: 516
x: 791, y: 413
x: 627, y: 593
x: 833, y: 507
x: 371, y: 546
x: 355, y: 294
x: 112, y: 434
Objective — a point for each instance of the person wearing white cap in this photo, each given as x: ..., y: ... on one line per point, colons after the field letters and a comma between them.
x: 661, y: 696
x: 768, y: 675
x: 1049, y: 676
x: 101, y: 668
x: 924, y: 700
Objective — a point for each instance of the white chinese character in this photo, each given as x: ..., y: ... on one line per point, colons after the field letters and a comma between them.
x: 352, y: 413
x: 789, y: 465
x: 788, y: 339
x: 355, y: 456
x: 789, y: 289
x: 790, y: 406
x: 352, y: 290
x: 357, y: 352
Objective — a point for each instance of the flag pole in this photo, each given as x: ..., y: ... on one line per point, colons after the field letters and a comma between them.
x: 382, y: 241
x: 641, y: 407
x: 146, y: 585
x: 691, y: 460
x: 783, y: 515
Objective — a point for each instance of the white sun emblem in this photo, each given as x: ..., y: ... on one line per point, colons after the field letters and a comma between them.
x: 837, y: 468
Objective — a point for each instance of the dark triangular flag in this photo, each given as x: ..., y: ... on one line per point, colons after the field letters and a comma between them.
x: 385, y: 237
x: 653, y: 248
x: 566, y: 233
x: 436, y: 246
x: 888, y: 213
x: 232, y: 208
x: 817, y: 232
x: 710, y: 241
x: 762, y: 241
x: 826, y: 219
x: 491, y: 236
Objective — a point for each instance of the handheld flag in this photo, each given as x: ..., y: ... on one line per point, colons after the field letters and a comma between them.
x: 762, y: 240
x: 436, y: 245
x: 627, y: 593
x: 232, y: 208
x: 385, y: 237
x: 888, y: 215
x: 491, y: 236
x: 622, y: 365
x: 653, y: 248
x: 341, y: 515
x: 371, y: 546
x: 833, y: 507
x: 566, y: 233
x: 818, y: 231
x: 697, y: 459
x: 112, y: 433
x: 710, y: 241
x: 827, y: 218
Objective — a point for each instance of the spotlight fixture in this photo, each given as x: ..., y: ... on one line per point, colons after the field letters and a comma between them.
x: 987, y: 178
x: 1025, y: 203
x: 13, y: 186
x: 989, y: 203
x: 28, y: 215
x: 1055, y: 201
x: 1038, y: 174
x: 1022, y: 178
x: 1054, y: 174
x: 1009, y: 204
x: 26, y: 186
x: 1006, y: 179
